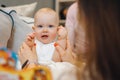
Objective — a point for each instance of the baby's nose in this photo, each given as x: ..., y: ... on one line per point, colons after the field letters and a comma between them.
x: 45, y: 30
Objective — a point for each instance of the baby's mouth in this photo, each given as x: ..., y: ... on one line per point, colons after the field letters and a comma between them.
x: 44, y: 36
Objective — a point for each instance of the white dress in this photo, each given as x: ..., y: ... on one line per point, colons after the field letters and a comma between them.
x: 44, y: 51
x: 59, y: 70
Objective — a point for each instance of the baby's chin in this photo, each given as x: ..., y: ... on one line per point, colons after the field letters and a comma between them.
x: 46, y: 42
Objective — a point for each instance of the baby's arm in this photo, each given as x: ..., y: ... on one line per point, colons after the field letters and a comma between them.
x: 30, y: 40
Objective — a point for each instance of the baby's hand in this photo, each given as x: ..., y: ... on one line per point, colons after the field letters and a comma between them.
x: 30, y: 40
x: 62, y: 32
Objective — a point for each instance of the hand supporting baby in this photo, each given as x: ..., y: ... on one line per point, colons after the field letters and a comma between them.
x: 63, y: 47
x: 27, y: 50
x: 62, y: 37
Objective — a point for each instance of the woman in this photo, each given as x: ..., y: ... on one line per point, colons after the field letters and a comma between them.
x: 79, y: 47
x: 100, y: 19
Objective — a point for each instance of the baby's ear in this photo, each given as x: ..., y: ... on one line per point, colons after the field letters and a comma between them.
x: 33, y: 27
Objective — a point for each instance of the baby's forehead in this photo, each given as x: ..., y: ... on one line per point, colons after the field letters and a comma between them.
x: 51, y: 14
x: 46, y: 11
x: 47, y: 16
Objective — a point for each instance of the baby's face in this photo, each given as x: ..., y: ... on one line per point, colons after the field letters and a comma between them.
x: 45, y: 28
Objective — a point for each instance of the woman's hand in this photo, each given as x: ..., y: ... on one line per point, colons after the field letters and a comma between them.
x: 27, y: 53
x: 67, y: 54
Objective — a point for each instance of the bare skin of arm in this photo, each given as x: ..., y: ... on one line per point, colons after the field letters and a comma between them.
x: 62, y: 37
x: 67, y: 54
x: 27, y: 50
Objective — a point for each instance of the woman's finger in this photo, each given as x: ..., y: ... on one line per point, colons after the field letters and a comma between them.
x: 26, y: 53
x: 25, y: 46
x: 69, y: 50
x: 68, y: 44
x: 20, y: 49
x: 34, y: 52
x: 21, y: 53
x: 34, y: 48
x: 60, y: 50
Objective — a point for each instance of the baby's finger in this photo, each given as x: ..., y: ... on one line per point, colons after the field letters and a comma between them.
x: 31, y: 35
x: 59, y: 27
x: 29, y: 38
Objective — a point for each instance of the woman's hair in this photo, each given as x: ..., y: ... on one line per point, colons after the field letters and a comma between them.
x: 101, y: 20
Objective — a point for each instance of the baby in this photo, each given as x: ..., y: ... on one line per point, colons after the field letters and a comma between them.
x: 46, y: 32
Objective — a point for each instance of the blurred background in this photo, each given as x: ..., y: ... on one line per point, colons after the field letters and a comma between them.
x: 41, y: 3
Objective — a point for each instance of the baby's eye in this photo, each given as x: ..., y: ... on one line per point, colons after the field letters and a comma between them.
x: 50, y: 26
x: 40, y: 26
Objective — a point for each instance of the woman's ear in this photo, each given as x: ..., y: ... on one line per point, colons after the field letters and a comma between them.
x: 33, y: 27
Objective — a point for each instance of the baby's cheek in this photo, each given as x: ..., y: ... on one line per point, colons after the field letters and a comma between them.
x: 54, y: 35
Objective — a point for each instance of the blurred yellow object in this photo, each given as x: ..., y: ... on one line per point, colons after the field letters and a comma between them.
x: 9, y: 72
x: 37, y: 73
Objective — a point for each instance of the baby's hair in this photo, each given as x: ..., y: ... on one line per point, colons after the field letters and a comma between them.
x: 46, y: 11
